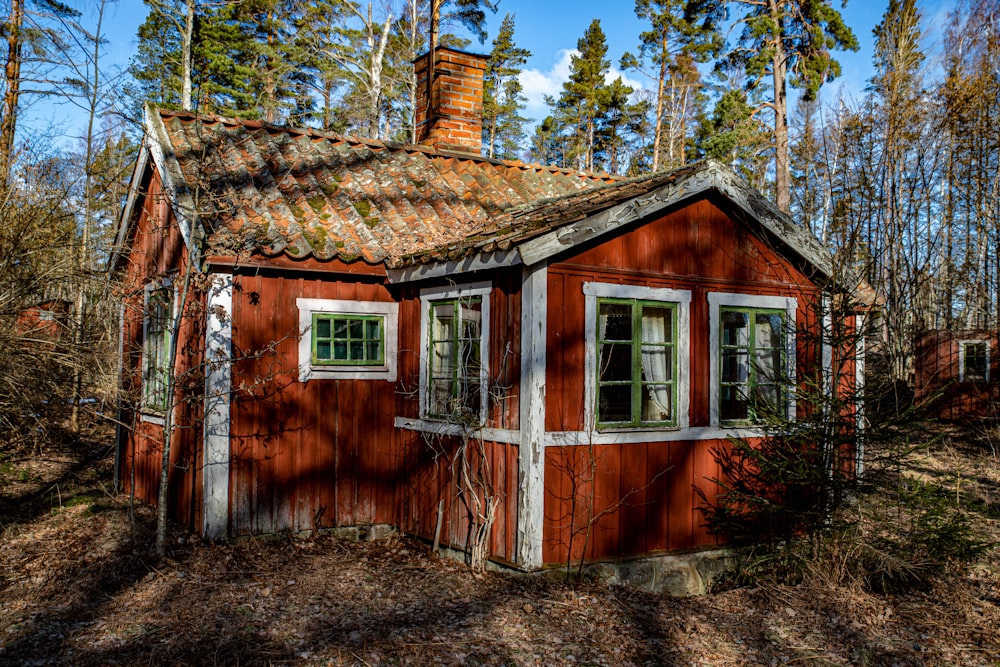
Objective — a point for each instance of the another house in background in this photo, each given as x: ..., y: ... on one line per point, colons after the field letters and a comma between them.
x: 365, y: 310
x: 959, y: 372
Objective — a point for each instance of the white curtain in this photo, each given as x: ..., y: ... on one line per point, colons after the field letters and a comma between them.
x: 655, y: 365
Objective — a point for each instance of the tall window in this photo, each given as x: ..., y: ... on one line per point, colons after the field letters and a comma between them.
x: 156, y: 348
x: 975, y: 361
x: 637, y: 363
x: 454, y: 358
x: 753, y: 381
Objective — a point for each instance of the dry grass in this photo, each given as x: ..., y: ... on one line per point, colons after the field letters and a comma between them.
x: 79, y: 586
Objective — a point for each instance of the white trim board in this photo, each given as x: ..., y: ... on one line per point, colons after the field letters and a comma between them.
x: 218, y: 385
x: 309, y: 371
x: 531, y: 449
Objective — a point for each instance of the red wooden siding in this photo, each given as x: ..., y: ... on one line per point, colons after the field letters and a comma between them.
x: 429, y: 476
x: 157, y: 251
x: 630, y: 499
x: 937, y: 356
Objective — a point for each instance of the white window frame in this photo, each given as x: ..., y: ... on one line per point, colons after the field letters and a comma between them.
x: 962, y: 345
x: 432, y: 294
x: 681, y: 301
x: 155, y: 413
x: 389, y: 311
x: 719, y: 300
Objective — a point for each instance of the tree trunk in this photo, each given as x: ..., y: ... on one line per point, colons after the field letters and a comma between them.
x: 782, y: 177
x: 187, y: 37
x: 12, y: 80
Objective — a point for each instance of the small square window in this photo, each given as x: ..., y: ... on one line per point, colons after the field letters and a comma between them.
x: 348, y: 340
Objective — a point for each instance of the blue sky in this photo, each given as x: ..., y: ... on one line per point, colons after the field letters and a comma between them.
x: 547, y: 28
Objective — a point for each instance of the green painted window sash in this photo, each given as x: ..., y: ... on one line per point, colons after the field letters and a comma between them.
x: 752, y: 371
x: 365, y: 340
x: 636, y: 381
x: 156, y: 349
x: 459, y: 370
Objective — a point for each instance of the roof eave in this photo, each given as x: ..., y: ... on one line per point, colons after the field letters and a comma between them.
x: 127, y: 217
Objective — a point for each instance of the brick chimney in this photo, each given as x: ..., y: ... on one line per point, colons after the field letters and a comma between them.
x: 454, y: 121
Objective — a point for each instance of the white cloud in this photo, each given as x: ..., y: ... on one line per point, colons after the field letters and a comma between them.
x: 536, y: 84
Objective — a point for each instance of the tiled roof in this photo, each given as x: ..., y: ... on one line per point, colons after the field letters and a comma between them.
x: 561, y: 223
x: 309, y: 193
x: 532, y: 220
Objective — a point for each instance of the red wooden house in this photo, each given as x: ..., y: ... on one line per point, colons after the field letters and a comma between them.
x: 362, y: 305
x: 958, y: 373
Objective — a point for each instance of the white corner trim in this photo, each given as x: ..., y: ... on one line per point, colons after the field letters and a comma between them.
x: 308, y: 371
x: 719, y: 299
x: 681, y: 298
x: 429, y: 294
x: 962, y: 344
x: 859, y: 392
x: 531, y: 449
x: 218, y: 385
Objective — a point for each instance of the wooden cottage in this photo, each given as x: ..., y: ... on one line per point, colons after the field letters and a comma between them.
x: 957, y: 373
x: 361, y: 313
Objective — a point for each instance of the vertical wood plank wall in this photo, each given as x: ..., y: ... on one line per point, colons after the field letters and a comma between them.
x: 609, y: 501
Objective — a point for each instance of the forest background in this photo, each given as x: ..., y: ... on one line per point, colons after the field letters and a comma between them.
x: 897, y: 172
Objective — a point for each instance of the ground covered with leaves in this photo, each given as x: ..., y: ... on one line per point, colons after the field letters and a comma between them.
x: 79, y: 586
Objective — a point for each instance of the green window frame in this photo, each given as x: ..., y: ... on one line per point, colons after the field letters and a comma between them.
x: 454, y: 360
x: 159, y: 310
x: 637, y: 371
x: 347, y: 339
x: 753, y: 365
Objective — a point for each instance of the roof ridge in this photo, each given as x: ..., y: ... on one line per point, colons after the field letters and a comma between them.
x: 380, y: 144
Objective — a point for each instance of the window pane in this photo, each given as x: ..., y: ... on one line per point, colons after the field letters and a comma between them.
x: 340, y: 328
x: 768, y: 364
x: 733, y: 404
x: 615, y: 403
x: 357, y: 329
x: 657, y: 325
x: 734, y: 366
x: 373, y: 330
x: 657, y: 364
x: 374, y: 351
x: 768, y: 400
x: 472, y: 318
x: 616, y: 362
x: 735, y: 328
x: 616, y: 321
x: 770, y: 330
x: 442, y: 359
x: 322, y: 328
x: 323, y: 350
x: 657, y: 401
x: 357, y: 350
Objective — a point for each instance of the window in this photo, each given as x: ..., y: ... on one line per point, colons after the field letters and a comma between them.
x: 753, y: 380
x: 347, y: 340
x: 351, y: 340
x: 453, y: 375
x: 637, y: 369
x: 752, y: 361
x: 975, y: 361
x: 636, y: 374
x: 156, y: 346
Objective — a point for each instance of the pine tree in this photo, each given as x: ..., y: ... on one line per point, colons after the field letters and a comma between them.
x: 782, y: 43
x: 677, y: 40
x: 503, y: 124
x: 580, y: 103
